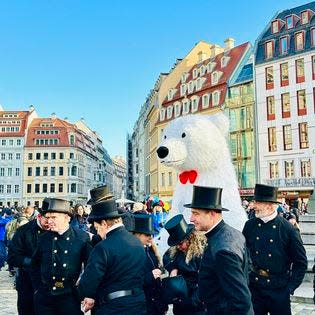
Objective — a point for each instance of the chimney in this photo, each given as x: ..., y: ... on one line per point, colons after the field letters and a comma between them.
x: 215, y: 50
x: 31, y: 108
x: 53, y: 116
x: 1, y: 108
x: 229, y: 43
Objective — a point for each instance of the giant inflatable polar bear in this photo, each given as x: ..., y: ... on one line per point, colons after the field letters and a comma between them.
x: 196, y: 146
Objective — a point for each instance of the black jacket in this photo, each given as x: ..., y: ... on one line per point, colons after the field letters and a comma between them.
x: 23, y: 245
x: 190, y: 273
x: 116, y: 263
x: 223, y: 273
x: 60, y: 258
x: 275, y: 247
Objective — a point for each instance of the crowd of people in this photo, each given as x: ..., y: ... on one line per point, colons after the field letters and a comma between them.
x: 103, y: 257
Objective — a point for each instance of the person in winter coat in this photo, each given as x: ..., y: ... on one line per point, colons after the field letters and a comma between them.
x: 79, y: 219
x: 143, y: 229
x: 184, y: 258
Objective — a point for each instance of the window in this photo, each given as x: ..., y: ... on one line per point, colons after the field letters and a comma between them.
x: 30, y: 156
x: 183, y: 89
x: 271, y: 108
x: 52, y: 171
x: 1, y: 171
x: 52, y: 187
x: 61, y: 156
x: 272, y: 139
x: 162, y: 179
x: 269, y: 49
x: 186, y: 107
x: 289, y: 21
x: 312, y: 31
x: 274, y: 170
x: 177, y: 107
x: 9, y: 190
x: 301, y: 102
x: 170, y: 179
x: 194, y: 104
x: 198, y: 84
x: 289, y: 169
x: 284, y: 45
x: 169, y: 96
x: 18, y: 156
x: 299, y: 41
x: 195, y: 73
x: 269, y: 78
x: 36, y: 188
x: 304, y: 17
x: 29, y: 171
x: 71, y: 155
x: 2, y: 156
x: 37, y: 156
x: 3, y: 142
x: 11, y: 142
x: 17, y: 171
x: 10, y: 171
x: 18, y: 141
x: 60, y: 188
x: 287, y: 137
x: 306, y: 168
x: 53, y: 156
x: 285, y: 105
x: 10, y: 156
x: 45, y: 156
x: 202, y: 70
x: 184, y: 77
x: 205, y: 101
x: 37, y: 171
x: 214, y: 78
x: 313, y: 67
x: 73, y: 187
x: 284, y: 74
x: 44, y: 188
x: 215, y: 98
x: 74, y: 170
x: 1, y: 189
x: 29, y: 188
x: 162, y: 114
x: 191, y: 85
x: 60, y: 171
x: 45, y: 171
x: 224, y: 61
x: 275, y: 27
x: 169, y: 112
x: 303, y: 133
x: 299, y: 68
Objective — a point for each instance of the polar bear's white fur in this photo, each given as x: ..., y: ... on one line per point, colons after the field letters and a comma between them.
x: 198, y: 142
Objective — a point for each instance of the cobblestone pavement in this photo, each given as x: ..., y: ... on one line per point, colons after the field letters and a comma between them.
x: 8, y: 299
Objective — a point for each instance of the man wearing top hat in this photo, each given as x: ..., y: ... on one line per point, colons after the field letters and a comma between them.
x: 21, y: 249
x: 278, y: 256
x: 113, y: 278
x: 59, y: 257
x: 223, y: 273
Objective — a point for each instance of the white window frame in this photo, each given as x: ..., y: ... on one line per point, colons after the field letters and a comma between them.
x: 195, y: 73
x: 191, y: 85
x: 183, y: 78
x: 215, y: 77
x: 216, y: 98
x: 169, y: 112
x: 162, y: 114
x: 194, y: 103
x: 202, y: 70
x: 186, y: 106
x: 199, y: 82
x: 210, y: 66
x: 205, y: 104
x: 224, y: 61
x: 183, y: 89
x: 177, y: 108
x: 170, y: 94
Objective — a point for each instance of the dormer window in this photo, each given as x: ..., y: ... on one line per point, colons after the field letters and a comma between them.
x: 177, y: 107
x: 269, y: 49
x: 194, y: 104
x: 195, y: 73
x: 284, y: 45
x: 170, y: 94
x: 289, y: 22
x: 169, y: 112
x: 198, y: 84
x: 312, y: 37
x: 205, y: 101
x: 299, y: 41
x: 214, y: 78
x: 216, y: 98
x: 183, y: 89
x: 275, y: 27
x: 186, y: 107
x: 224, y: 61
x: 184, y: 77
x: 202, y: 70
x: 305, y: 17
x: 191, y: 85
x: 210, y: 66
x: 162, y: 114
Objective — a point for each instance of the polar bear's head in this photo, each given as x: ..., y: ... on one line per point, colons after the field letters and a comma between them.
x: 194, y: 142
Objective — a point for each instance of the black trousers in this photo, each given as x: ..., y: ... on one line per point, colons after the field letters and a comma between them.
x: 25, y: 293
x: 47, y: 304
x: 274, y: 301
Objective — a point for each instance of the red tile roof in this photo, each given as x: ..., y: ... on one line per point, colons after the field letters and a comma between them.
x: 22, y: 116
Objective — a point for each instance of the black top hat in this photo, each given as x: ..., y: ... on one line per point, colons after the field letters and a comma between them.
x: 207, y: 198
x: 103, y: 210
x: 178, y: 229
x: 265, y: 193
x: 143, y: 224
x: 56, y: 205
x: 173, y: 288
x: 45, y: 205
x: 99, y: 194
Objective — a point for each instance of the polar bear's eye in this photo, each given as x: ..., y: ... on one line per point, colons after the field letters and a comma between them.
x: 165, y: 137
x: 183, y: 135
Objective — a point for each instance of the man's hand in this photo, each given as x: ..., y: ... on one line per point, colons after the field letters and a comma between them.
x: 174, y: 273
x: 87, y: 304
x: 156, y: 273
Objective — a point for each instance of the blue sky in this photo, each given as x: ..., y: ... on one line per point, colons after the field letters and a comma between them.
x: 99, y: 59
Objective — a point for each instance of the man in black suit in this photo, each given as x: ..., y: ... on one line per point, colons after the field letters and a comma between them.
x: 278, y: 256
x: 57, y: 262
x: 113, y: 278
x: 223, y: 272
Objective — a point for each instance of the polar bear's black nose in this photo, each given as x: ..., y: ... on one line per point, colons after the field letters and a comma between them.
x: 162, y: 152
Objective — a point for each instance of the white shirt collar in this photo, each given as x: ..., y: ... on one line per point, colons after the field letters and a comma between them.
x: 115, y: 226
x: 269, y: 217
x: 214, y: 226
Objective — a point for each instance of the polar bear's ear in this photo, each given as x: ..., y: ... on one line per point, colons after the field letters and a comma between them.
x: 221, y: 121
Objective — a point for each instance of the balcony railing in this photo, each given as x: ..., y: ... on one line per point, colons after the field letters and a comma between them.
x: 291, y: 182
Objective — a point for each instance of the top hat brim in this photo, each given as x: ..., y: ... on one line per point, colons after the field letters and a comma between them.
x: 92, y: 202
x: 93, y: 218
x: 172, y: 241
x: 208, y: 207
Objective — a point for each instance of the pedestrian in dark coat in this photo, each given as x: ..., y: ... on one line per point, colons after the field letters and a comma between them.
x: 113, y: 278
x: 79, y: 219
x: 223, y: 275
x: 184, y: 258
x: 278, y: 256
x: 143, y: 229
x: 21, y: 249
x: 59, y: 257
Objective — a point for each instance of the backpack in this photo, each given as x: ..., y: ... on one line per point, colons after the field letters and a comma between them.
x: 13, y: 225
